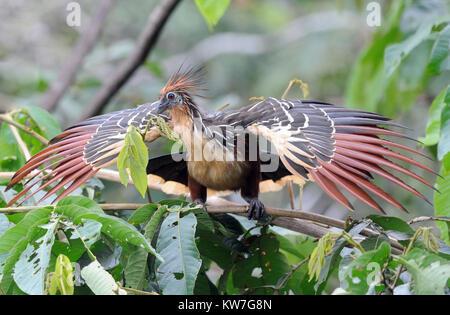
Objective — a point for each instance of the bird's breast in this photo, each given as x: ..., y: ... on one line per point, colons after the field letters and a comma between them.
x: 219, y: 175
x: 212, y: 165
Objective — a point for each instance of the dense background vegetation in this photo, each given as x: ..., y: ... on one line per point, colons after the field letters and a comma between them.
x: 80, y: 246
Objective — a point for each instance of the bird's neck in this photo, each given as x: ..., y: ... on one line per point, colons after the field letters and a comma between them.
x: 185, y: 121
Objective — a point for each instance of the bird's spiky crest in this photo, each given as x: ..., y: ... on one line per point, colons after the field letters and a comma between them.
x: 187, y: 81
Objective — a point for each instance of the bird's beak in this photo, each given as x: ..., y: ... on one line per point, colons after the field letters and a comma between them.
x: 160, y: 106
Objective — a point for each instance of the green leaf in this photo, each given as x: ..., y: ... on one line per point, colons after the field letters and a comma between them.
x: 142, y: 214
x: 439, y: 52
x: 121, y: 231
x: 11, y: 157
x: 391, y: 223
x: 124, y: 177
x: 332, y: 260
x: 62, y: 278
x: 262, y: 270
x: 176, y: 244
x: 89, y: 232
x: 303, y: 246
x: 139, y: 175
x: 318, y: 255
x: 444, y: 142
x: 362, y: 274
x: 204, y: 286
x: 4, y: 224
x: 368, y: 82
x: 134, y: 156
x: 442, y: 198
x: 89, y: 205
x: 31, y: 268
x: 74, y: 250
x: 6, y: 278
x: 135, y: 268
x: 100, y: 281
x: 174, y: 203
x: 395, y: 53
x: 76, y: 206
x: 138, y: 147
x: 373, y: 242
x: 152, y: 224
x: 433, y: 131
x: 14, y: 234
x: 50, y: 128
x: 430, y: 272
x: 212, y: 10
x: 211, y: 248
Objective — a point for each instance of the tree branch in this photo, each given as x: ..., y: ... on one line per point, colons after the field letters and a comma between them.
x: 299, y: 221
x: 84, y: 45
x: 146, y: 41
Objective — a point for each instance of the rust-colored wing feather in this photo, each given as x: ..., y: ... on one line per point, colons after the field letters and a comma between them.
x: 334, y: 146
x: 79, y: 152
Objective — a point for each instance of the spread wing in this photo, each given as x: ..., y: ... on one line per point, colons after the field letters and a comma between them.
x: 336, y: 147
x: 80, y: 151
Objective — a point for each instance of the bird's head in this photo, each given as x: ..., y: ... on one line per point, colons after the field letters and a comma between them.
x: 178, y: 91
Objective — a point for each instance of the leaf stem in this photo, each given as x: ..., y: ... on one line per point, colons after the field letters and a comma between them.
x: 289, y: 275
x: 71, y: 225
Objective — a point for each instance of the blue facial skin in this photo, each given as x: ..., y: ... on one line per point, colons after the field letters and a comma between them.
x: 169, y: 100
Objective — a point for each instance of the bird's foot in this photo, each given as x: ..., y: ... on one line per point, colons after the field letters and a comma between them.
x: 255, y: 209
x: 200, y: 202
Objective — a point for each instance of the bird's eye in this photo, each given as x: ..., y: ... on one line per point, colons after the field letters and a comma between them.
x: 170, y: 95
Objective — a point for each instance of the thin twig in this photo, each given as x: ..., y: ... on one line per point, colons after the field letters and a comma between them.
x: 22, y: 145
x: 289, y: 275
x: 146, y: 41
x: 300, y: 197
x: 84, y: 45
x: 291, y: 194
x: 405, y: 251
x: 7, y: 119
x: 432, y: 218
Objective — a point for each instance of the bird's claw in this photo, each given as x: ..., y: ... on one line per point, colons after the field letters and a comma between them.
x: 255, y: 209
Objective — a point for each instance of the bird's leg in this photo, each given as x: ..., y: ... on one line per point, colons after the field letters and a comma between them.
x: 198, y: 192
x: 250, y: 193
x: 255, y: 208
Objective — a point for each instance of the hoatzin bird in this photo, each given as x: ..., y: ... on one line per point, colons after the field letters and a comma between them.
x: 336, y: 147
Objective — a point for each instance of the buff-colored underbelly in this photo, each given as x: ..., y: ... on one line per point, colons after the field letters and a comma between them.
x: 219, y: 175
